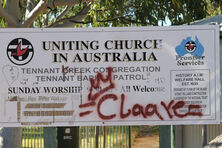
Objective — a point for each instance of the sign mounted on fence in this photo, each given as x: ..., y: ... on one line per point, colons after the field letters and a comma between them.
x: 110, y: 76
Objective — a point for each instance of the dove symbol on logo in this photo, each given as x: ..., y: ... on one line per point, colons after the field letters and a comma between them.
x: 10, y: 73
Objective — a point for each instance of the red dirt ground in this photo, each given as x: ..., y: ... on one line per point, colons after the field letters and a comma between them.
x: 148, y: 141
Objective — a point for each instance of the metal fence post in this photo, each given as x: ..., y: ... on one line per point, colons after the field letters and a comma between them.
x: 104, y: 137
x: 179, y: 136
x: 50, y: 137
x: 129, y: 136
x: 204, y: 135
x: 12, y: 137
x: 97, y: 137
x: 165, y: 136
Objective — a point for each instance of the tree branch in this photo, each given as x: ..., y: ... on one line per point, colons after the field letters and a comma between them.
x: 118, y: 18
x: 101, y: 21
x: 55, y: 3
x: 124, y: 8
x: 46, y: 18
x: 67, y: 21
x: 135, y: 22
x: 7, y: 17
x: 43, y: 5
x: 30, y: 6
x: 39, y: 8
x: 40, y: 23
x: 63, y: 13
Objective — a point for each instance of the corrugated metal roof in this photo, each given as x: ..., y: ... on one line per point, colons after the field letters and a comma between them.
x: 208, y: 21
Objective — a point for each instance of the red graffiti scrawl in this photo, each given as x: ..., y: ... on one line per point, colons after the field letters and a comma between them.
x: 95, y: 84
x: 145, y: 111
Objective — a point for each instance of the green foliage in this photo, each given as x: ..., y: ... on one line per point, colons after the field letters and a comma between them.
x: 107, y: 13
x: 2, y: 22
x: 131, y: 12
x: 213, y: 7
x: 145, y: 12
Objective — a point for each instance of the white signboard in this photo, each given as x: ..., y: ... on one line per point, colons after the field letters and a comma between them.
x: 109, y: 76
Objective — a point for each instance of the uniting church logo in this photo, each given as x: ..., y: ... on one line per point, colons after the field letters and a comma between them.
x: 190, y: 52
x: 188, y: 46
x: 20, y: 51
